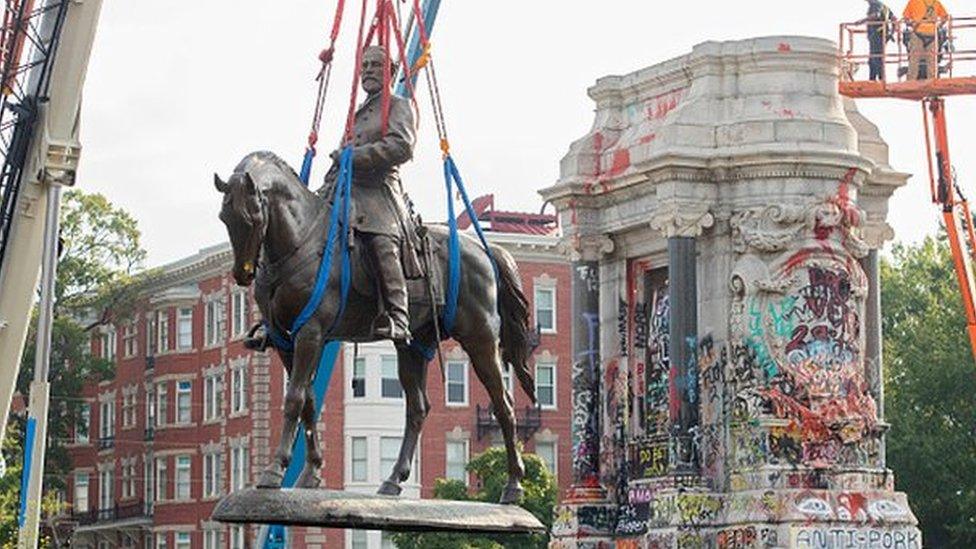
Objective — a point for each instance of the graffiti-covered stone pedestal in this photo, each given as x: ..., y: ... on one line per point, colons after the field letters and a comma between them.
x: 725, y: 214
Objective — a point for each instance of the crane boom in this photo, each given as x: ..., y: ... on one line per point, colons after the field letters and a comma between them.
x: 45, y: 159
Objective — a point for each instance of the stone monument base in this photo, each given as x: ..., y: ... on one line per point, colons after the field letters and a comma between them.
x: 337, y: 509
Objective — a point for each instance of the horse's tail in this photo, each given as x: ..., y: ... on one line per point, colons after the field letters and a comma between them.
x: 513, y: 308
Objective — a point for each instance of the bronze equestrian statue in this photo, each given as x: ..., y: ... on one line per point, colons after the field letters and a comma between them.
x: 278, y: 229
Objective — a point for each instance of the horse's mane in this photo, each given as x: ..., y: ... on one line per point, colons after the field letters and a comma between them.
x: 269, y: 157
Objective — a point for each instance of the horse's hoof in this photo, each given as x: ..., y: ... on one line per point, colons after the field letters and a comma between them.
x: 389, y: 488
x: 270, y: 478
x: 309, y: 478
x: 512, y: 494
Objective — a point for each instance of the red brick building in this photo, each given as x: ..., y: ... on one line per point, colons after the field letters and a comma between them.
x: 192, y: 415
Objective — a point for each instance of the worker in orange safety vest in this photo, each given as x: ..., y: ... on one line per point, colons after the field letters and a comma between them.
x: 923, y: 18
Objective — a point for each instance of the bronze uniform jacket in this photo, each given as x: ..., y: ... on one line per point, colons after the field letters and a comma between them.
x: 378, y: 205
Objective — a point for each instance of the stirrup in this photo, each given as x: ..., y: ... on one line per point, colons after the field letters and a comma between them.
x: 259, y: 343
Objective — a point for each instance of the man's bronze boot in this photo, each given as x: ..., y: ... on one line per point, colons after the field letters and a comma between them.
x: 393, y: 323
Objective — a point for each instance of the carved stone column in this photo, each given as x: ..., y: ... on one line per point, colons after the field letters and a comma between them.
x: 586, y: 369
x: 681, y: 225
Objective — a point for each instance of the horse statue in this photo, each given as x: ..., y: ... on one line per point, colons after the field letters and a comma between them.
x: 278, y: 231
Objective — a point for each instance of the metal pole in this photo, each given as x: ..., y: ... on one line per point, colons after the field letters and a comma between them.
x: 36, y: 437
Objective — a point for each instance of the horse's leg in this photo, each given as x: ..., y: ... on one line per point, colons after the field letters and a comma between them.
x: 412, y: 370
x: 308, y: 348
x: 487, y: 365
x: 310, y: 477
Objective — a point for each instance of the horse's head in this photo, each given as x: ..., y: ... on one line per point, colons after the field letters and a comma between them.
x: 245, y: 213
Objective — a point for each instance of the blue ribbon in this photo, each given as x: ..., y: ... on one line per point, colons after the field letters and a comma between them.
x: 25, y: 474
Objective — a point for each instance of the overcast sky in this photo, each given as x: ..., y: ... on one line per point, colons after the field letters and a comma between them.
x: 178, y: 90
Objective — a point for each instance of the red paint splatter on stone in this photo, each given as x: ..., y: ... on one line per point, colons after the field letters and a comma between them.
x: 621, y: 161
x: 784, y: 47
x: 648, y: 138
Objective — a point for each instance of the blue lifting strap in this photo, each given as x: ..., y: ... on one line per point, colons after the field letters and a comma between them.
x: 452, y: 178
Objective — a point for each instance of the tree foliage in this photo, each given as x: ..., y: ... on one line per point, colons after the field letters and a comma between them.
x: 930, y: 391
x: 491, y: 470
x: 96, y: 284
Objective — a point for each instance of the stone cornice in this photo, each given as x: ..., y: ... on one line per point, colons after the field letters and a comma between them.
x: 682, y: 219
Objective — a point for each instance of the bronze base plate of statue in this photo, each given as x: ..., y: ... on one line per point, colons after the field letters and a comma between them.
x: 338, y: 509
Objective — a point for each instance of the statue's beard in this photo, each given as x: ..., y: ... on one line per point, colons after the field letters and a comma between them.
x: 372, y: 86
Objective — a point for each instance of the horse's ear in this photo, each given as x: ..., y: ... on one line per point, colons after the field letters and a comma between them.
x: 249, y: 184
x: 220, y: 184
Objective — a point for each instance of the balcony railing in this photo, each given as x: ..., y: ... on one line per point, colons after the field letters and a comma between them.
x: 104, y: 443
x: 527, y: 421
x: 150, y: 362
x: 149, y: 434
x: 137, y: 509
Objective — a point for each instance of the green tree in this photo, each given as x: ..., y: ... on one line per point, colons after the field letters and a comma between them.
x: 96, y: 284
x: 491, y: 469
x: 929, y: 392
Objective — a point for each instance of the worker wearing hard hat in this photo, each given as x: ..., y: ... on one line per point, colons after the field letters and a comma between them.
x: 924, y: 18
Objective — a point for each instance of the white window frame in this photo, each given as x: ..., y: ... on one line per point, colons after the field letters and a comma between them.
x: 83, y: 425
x: 148, y: 480
x: 554, y: 465
x: 106, y: 492
x: 384, y: 362
x: 106, y: 419
x: 130, y: 341
x: 161, y: 540
x: 213, y: 539
x: 237, y: 537
x: 508, y: 380
x: 238, y: 467
x: 128, y: 479
x: 213, y: 396
x: 128, y: 410
x: 162, y: 469
x: 362, y: 459
x: 239, y: 309
x: 183, y: 478
x: 550, y: 289
x: 359, y: 367
x: 555, y: 395
x: 447, y: 463
x: 183, y: 540
x: 82, y: 487
x: 162, y: 403
x: 162, y: 331
x: 387, y: 463
x: 238, y: 389
x: 109, y: 343
x: 212, y: 474
x: 184, y: 402
x: 215, y: 322
x: 463, y: 365
x: 358, y: 539
x: 184, y: 328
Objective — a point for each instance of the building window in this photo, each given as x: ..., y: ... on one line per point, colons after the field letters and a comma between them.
x: 105, y: 490
x: 213, y: 397
x: 389, y: 451
x: 162, y: 404
x: 545, y: 310
x: 161, y: 540
x: 214, y: 322
x: 358, y: 459
x: 238, y: 390
x: 182, y: 478
x: 457, y: 460
x: 211, y: 475
x: 81, y: 492
x: 106, y: 420
x: 184, y: 329
x: 507, y: 380
x: 184, y: 401
x: 148, y: 481
x: 83, y: 425
x: 239, y: 309
x: 547, y: 451
x: 358, y: 539
x: 129, y: 410
x: 386, y: 541
x: 359, y: 377
x: 545, y: 384
x: 238, y: 467
x: 457, y: 383
x: 128, y: 479
x: 182, y: 540
x: 213, y: 539
x: 108, y: 343
x: 390, y: 382
x: 161, y: 481
x: 237, y: 537
x: 129, y: 343
x: 162, y: 331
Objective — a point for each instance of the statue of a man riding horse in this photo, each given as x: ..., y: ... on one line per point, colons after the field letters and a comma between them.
x: 279, y: 226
